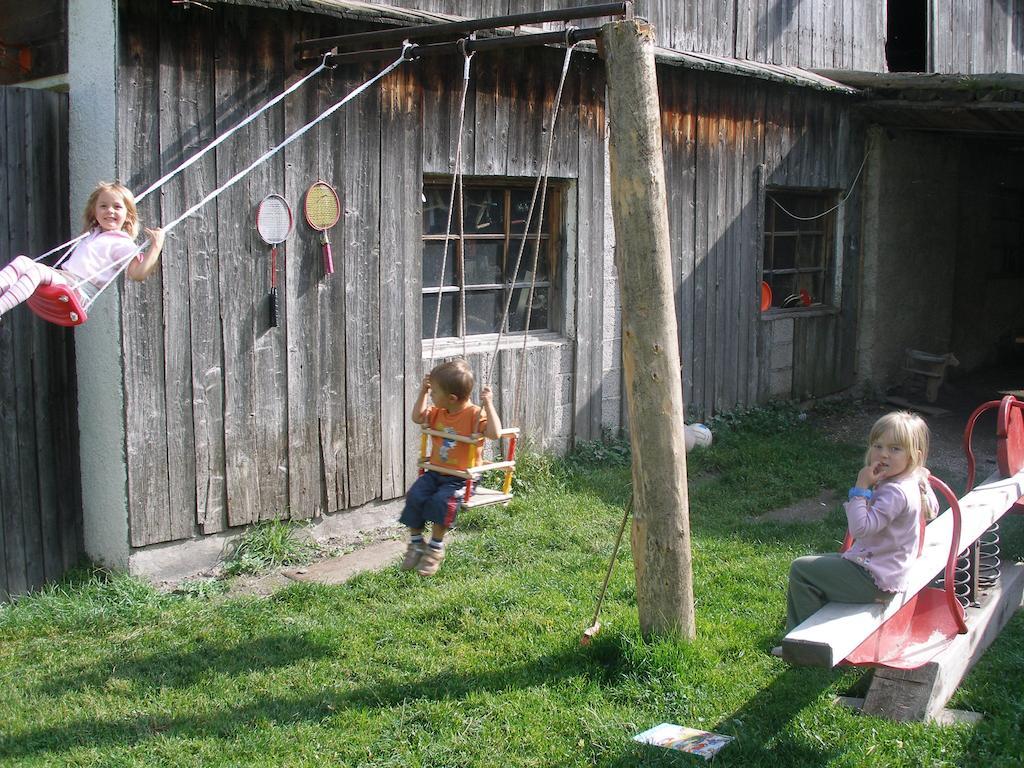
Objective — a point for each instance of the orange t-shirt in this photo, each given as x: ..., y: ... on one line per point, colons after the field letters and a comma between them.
x: 453, y: 453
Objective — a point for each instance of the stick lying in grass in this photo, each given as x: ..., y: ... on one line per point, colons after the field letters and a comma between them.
x: 595, y: 625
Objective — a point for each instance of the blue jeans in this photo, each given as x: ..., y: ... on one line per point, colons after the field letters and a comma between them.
x: 432, y: 497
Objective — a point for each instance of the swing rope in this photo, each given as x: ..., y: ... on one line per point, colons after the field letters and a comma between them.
x: 456, y: 185
x: 122, y: 263
x: 198, y: 155
x: 541, y: 186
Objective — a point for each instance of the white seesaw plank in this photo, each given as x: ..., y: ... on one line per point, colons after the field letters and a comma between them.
x: 832, y: 634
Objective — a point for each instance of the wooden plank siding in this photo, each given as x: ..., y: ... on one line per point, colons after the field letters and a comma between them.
x: 716, y: 212
x: 229, y: 421
x: 824, y: 34
x: 976, y: 36
x: 232, y: 422
x: 40, y: 495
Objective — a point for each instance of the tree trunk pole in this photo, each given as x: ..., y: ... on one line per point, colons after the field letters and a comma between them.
x: 650, y: 346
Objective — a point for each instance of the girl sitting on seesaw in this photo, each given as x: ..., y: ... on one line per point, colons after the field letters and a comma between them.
x: 112, y: 221
x: 884, y: 515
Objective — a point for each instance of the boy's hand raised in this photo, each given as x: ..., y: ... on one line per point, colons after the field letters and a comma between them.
x: 485, y: 396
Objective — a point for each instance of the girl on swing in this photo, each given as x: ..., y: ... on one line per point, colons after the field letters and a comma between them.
x: 112, y: 221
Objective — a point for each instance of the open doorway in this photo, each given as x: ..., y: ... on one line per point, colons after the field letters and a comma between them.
x: 906, y: 35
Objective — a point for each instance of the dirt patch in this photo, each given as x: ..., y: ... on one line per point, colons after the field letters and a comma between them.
x: 808, y: 510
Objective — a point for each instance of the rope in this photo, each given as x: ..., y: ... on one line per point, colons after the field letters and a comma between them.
x: 456, y: 183
x: 197, y: 156
x: 835, y: 207
x: 541, y: 184
x: 123, y: 262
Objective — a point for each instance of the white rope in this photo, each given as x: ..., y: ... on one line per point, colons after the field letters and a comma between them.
x: 123, y: 262
x: 198, y: 155
x: 835, y: 207
x: 456, y: 182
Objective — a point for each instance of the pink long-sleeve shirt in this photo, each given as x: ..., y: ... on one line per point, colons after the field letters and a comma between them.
x: 886, y: 530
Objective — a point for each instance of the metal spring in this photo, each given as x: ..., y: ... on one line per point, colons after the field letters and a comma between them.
x: 961, y: 579
x: 988, y: 558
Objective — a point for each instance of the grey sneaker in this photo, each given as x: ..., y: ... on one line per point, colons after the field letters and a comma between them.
x: 430, y: 561
x: 413, y: 553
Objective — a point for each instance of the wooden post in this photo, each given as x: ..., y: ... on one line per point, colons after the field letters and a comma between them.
x: 650, y: 346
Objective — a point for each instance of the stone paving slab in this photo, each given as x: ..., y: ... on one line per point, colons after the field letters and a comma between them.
x: 338, y: 570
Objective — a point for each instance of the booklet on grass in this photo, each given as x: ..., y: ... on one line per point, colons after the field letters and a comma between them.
x: 702, y: 743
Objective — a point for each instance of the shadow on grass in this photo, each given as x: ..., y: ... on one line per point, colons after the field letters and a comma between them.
x: 761, y: 730
x: 185, y: 668
x: 100, y: 733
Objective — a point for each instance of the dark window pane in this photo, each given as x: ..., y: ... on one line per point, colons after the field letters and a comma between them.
x: 521, y: 206
x: 485, y: 211
x: 483, y: 309
x: 517, y: 311
x: 432, y: 265
x: 446, y: 322
x: 785, y: 252
x: 435, y: 211
x: 809, y: 252
x: 483, y: 261
x: 525, y: 270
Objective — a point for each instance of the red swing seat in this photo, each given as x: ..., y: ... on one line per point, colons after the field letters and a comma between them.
x: 58, y: 304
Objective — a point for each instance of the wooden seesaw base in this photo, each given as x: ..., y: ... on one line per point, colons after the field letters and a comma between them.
x: 920, y: 695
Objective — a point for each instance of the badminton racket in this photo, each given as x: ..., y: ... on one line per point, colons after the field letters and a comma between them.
x: 274, y: 223
x: 323, y: 208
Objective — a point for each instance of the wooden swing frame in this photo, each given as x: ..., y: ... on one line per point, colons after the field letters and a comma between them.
x: 475, y: 495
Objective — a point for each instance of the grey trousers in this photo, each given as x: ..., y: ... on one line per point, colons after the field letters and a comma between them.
x: 818, y: 579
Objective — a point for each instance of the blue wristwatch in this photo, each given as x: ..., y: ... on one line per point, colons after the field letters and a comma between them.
x: 855, y: 491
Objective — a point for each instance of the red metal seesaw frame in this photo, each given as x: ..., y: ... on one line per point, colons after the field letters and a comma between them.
x: 919, y: 630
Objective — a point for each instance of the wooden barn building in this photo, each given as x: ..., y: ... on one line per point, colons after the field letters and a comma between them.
x: 843, y: 182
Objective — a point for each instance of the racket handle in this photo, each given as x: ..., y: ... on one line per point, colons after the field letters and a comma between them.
x: 328, y: 259
x: 273, y: 307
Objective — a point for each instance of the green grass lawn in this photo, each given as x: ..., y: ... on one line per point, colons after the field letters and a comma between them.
x: 481, y: 665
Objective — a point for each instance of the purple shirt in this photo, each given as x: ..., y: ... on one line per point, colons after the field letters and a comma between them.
x: 886, y: 530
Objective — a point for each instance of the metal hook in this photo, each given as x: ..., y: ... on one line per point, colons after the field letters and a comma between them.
x: 407, y: 49
x: 324, y: 63
x: 570, y: 31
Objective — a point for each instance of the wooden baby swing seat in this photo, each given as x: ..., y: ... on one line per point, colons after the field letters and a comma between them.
x: 475, y: 495
x: 58, y: 304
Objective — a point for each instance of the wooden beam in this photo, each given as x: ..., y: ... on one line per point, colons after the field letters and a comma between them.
x: 650, y: 352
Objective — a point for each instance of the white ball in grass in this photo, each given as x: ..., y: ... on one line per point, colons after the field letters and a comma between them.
x: 696, y: 435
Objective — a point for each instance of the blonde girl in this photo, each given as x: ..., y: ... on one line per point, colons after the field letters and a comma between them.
x: 884, y: 514
x: 112, y: 223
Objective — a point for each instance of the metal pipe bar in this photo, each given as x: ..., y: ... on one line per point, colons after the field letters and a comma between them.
x: 321, y: 44
x: 568, y: 37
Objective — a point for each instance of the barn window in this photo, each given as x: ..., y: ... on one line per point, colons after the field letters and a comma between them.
x: 33, y: 41
x: 480, y: 277
x: 799, y: 234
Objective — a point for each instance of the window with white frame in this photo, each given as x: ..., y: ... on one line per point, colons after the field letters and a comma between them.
x: 798, y: 264
x: 474, y: 281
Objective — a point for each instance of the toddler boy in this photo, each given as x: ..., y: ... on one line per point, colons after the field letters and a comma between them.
x: 433, y: 496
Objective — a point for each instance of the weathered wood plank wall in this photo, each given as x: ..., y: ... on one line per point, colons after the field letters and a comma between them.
x: 823, y: 34
x: 717, y: 132
x: 976, y: 36
x: 40, y: 496
x: 231, y: 421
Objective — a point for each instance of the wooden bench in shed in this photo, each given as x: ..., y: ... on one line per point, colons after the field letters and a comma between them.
x: 922, y: 642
